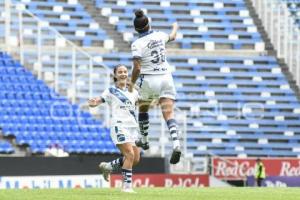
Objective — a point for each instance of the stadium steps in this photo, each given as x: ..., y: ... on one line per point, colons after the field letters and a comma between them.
x: 260, y: 28
x: 289, y: 77
x: 119, y: 43
x: 270, y: 48
x: 123, y: 46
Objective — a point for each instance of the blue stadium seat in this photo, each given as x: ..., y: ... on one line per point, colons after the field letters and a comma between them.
x: 27, y: 113
x: 71, y: 20
x: 223, y: 23
x: 257, y: 80
x: 6, y: 147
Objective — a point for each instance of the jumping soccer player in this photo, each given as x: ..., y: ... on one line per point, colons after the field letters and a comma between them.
x: 124, y: 127
x: 155, y: 79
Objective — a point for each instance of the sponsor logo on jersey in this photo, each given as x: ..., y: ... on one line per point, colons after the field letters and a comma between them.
x: 154, y: 43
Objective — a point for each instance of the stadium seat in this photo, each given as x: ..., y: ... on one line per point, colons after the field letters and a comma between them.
x: 6, y: 147
x: 226, y: 25
x: 27, y: 112
x: 69, y: 19
x: 220, y: 96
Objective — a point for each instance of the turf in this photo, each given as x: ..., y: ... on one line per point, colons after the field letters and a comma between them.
x: 154, y: 194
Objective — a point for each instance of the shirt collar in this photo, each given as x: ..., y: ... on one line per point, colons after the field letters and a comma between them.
x: 146, y: 33
x: 124, y: 90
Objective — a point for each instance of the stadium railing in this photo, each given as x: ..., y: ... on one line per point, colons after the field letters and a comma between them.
x: 283, y: 32
x: 159, y: 135
x: 34, y: 43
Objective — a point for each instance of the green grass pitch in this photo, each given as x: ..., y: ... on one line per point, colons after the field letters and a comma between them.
x: 154, y: 194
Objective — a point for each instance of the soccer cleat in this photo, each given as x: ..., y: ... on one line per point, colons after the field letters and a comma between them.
x: 104, y: 170
x: 175, y: 158
x: 144, y: 146
x: 128, y: 190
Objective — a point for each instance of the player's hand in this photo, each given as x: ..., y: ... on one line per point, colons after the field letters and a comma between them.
x: 94, y: 102
x: 172, y: 35
x: 175, y: 25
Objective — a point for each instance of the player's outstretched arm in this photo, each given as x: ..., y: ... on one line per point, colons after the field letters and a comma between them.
x: 173, y: 34
x: 135, y: 73
x: 94, y: 102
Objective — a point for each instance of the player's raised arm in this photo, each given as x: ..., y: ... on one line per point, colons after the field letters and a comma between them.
x: 94, y: 102
x: 135, y: 72
x: 173, y: 34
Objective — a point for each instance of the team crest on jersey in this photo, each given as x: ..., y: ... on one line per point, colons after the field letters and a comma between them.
x: 123, y: 99
x: 121, y: 137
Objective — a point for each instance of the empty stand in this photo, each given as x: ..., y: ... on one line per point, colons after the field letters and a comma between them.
x: 37, y: 116
x: 67, y: 17
x: 6, y: 147
x: 206, y: 25
x: 235, y: 105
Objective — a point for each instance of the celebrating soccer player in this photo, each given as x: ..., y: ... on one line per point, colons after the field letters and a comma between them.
x: 155, y: 79
x: 124, y: 126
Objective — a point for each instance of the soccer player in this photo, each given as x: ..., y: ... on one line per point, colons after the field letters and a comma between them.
x: 124, y: 127
x: 155, y: 79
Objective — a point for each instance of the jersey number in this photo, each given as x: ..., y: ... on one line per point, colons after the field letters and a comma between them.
x: 158, y: 56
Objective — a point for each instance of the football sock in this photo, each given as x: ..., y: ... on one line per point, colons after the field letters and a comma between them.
x: 127, y: 178
x: 144, y: 125
x: 116, y: 164
x: 172, y: 125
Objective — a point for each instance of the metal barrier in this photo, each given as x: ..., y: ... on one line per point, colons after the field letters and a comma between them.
x: 51, y: 57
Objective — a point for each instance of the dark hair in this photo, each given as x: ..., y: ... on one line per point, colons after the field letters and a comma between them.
x: 115, y: 70
x: 141, y: 21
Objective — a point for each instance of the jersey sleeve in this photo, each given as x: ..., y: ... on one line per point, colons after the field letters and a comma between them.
x: 105, y: 96
x: 136, y: 51
x: 164, y: 36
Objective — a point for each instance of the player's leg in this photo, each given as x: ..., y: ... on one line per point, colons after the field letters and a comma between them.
x: 143, y: 124
x: 145, y: 90
x: 113, y: 166
x: 137, y: 153
x: 167, y: 99
x: 106, y: 168
x: 117, y: 164
x: 167, y: 107
x: 127, y: 151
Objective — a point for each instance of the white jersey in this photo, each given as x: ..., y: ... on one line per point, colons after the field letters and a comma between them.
x: 122, y: 104
x: 150, y: 47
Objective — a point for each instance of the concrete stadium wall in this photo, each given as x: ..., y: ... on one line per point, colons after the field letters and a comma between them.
x: 26, y: 166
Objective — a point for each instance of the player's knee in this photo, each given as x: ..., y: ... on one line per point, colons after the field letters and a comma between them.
x: 167, y: 110
x: 167, y: 114
x: 143, y: 107
x: 129, y: 155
